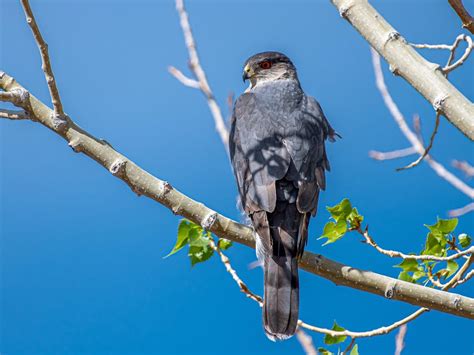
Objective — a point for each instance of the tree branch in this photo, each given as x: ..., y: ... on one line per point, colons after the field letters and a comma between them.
x: 141, y: 182
x: 400, y: 340
x: 14, y: 115
x: 396, y: 254
x: 425, y: 77
x: 466, y: 18
x: 46, y: 63
x: 465, y: 167
x: 462, y: 211
x: 410, y: 135
x: 201, y: 82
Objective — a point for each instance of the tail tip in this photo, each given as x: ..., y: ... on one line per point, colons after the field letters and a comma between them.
x: 278, y: 336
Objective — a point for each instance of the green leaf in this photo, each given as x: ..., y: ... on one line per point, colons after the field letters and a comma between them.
x: 444, y: 226
x: 418, y: 275
x: 409, y: 265
x: 334, y: 231
x: 340, y: 211
x: 355, y: 350
x: 405, y: 276
x: 224, y: 244
x: 435, y: 244
x: 464, y: 240
x: 199, y: 253
x: 355, y: 219
x: 182, y: 238
x: 451, y: 267
x: 329, y: 340
x: 322, y: 351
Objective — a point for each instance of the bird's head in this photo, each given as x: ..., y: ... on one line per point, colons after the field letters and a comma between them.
x: 268, y: 66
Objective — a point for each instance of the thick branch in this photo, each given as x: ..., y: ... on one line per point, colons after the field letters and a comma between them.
x: 425, y: 77
x: 145, y: 184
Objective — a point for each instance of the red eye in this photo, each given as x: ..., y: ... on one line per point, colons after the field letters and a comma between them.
x: 266, y: 64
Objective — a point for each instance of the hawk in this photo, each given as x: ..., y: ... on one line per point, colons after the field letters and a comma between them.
x: 277, y: 149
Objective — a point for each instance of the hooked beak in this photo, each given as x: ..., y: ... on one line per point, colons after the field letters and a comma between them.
x: 248, y: 73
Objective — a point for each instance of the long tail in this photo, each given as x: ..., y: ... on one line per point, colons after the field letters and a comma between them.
x: 281, y: 295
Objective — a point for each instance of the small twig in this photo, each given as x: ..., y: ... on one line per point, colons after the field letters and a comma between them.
x: 435, y: 282
x: 462, y: 211
x: 349, y: 347
x: 395, y: 154
x: 306, y: 342
x: 454, y: 281
x: 46, y: 63
x: 466, y: 18
x: 452, y: 48
x: 465, y: 167
x: 199, y: 73
x: 178, y: 74
x: 410, y: 135
x: 427, y: 149
x: 450, y: 67
x: 243, y: 287
x: 14, y: 115
x: 367, y: 334
x: 469, y: 275
x: 400, y: 339
x: 397, y: 254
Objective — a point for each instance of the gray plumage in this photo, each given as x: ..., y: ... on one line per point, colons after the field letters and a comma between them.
x: 279, y: 159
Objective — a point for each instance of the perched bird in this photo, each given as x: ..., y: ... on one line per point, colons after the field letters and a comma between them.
x: 277, y: 149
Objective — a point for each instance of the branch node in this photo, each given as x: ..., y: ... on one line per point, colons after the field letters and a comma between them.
x: 457, y: 302
x: 439, y: 103
x: 209, y: 220
x: 60, y: 122
x: 75, y: 145
x: 165, y: 188
x: 343, y: 12
x: 390, y: 290
x: 118, y: 167
x: 394, y: 70
x: 393, y: 36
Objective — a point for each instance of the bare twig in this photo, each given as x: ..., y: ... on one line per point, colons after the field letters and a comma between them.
x: 452, y: 48
x: 469, y: 275
x: 465, y: 167
x: 243, y: 287
x: 199, y: 73
x: 178, y: 74
x: 410, y: 135
x: 450, y: 67
x: 395, y: 154
x: 13, y: 115
x: 397, y: 254
x: 462, y: 211
x: 466, y: 18
x: 400, y: 340
x: 349, y: 347
x: 46, y: 63
x: 306, y: 342
x: 367, y: 334
x: 426, y: 150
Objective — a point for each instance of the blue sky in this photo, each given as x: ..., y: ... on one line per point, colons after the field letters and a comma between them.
x: 82, y: 257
